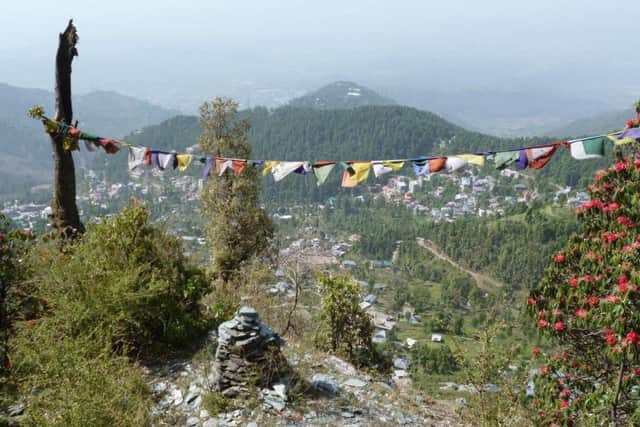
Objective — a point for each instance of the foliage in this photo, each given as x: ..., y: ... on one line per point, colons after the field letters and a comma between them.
x: 15, y: 302
x: 499, y: 387
x: 237, y: 228
x: 588, y: 302
x: 344, y: 328
x: 432, y: 359
x: 126, y: 280
x: 215, y: 403
x: 78, y: 381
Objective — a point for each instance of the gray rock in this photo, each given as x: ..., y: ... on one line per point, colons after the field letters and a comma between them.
x: 401, y: 363
x: 347, y: 414
x: 15, y: 409
x: 251, y: 424
x: 325, y: 383
x: 193, y: 422
x: 345, y: 368
x: 176, y: 396
x: 354, y: 382
x: 213, y: 422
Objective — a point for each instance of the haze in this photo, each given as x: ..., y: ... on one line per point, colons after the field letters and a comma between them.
x: 177, y: 53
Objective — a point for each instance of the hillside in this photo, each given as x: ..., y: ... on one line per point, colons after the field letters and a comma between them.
x: 340, y: 95
x: 26, y: 154
x: 593, y: 125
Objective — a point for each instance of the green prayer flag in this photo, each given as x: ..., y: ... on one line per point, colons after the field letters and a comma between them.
x: 506, y: 158
x: 322, y: 172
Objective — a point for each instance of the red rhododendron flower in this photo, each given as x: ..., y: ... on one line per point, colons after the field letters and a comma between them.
x: 575, y: 364
x: 591, y: 254
x: 623, y: 287
x: 627, y: 248
x: 594, y: 300
x: 565, y: 393
x: 611, y: 237
x: 608, y: 331
x: 587, y: 278
x: 636, y: 162
x: 623, y: 279
x: 564, y: 403
x: 535, y: 351
x: 531, y: 301
x: 630, y: 123
x: 625, y: 221
x: 559, y: 258
x: 558, y: 326
x: 612, y: 298
x: 636, y: 371
x: 632, y: 337
x: 620, y: 166
x: 581, y: 312
x: 542, y: 323
x: 613, y: 206
x: 610, y: 339
x: 544, y: 369
x: 573, y: 282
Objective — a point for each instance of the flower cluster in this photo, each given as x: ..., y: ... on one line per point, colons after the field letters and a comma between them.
x: 589, y: 302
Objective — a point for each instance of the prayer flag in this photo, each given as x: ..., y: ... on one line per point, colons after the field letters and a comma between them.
x: 420, y: 167
x: 454, y: 163
x: 238, y: 166
x: 590, y: 148
x: 207, y: 167
x: 283, y: 169
x: 628, y: 136
x: 505, y: 158
x: 136, y: 159
x: 184, y: 160
x: 474, y: 159
x: 268, y: 166
x: 522, y: 161
x: 322, y: 170
x: 222, y: 165
x: 385, y: 166
x: 537, y: 157
x: 436, y: 165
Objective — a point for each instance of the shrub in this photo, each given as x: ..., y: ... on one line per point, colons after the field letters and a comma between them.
x: 126, y: 280
x: 589, y: 303
x: 344, y: 329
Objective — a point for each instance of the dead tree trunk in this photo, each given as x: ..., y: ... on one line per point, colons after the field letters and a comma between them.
x: 64, y: 216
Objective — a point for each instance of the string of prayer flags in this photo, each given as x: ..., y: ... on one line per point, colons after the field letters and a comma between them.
x: 321, y: 170
x: 590, y: 148
x: 382, y: 167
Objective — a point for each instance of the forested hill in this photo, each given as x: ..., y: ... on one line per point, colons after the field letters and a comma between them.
x: 372, y: 132
x: 340, y: 95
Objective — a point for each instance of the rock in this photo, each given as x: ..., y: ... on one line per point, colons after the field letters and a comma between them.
x: 176, y: 396
x: 159, y: 387
x: 276, y: 398
x: 212, y: 422
x: 354, y: 382
x: 401, y: 363
x: 325, y: 383
x: 251, y: 424
x: 241, y: 352
x: 15, y: 409
x: 462, y: 402
x: 193, y: 422
x: 335, y: 363
x: 347, y: 414
x: 281, y: 390
x: 204, y: 414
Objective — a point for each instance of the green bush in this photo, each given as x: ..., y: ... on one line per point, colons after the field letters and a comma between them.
x: 126, y: 280
x: 78, y: 382
x: 344, y: 328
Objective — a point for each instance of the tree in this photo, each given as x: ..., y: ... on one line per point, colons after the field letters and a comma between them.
x: 237, y: 228
x: 344, y: 328
x: 64, y: 216
x: 588, y: 302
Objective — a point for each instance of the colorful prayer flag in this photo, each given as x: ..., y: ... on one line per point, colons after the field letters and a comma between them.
x: 136, y: 159
x: 282, y: 169
x: 436, y: 165
x: 505, y: 158
x: 381, y: 167
x: 322, y: 170
x: 268, y: 166
x: 238, y: 166
x: 590, y: 148
x: 474, y: 159
x: 184, y: 160
x: 537, y: 157
x: 454, y: 163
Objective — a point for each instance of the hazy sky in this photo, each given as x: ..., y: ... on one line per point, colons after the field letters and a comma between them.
x: 178, y: 52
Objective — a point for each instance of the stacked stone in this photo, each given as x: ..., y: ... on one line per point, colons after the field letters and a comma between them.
x: 242, y: 345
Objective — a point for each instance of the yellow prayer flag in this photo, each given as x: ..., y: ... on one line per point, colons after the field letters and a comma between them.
x: 362, y: 170
x: 622, y: 141
x: 474, y: 159
x: 268, y: 166
x: 184, y: 160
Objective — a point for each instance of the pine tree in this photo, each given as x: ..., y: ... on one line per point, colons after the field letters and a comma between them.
x: 237, y: 228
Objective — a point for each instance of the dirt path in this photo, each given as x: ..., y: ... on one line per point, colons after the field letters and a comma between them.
x: 482, y: 280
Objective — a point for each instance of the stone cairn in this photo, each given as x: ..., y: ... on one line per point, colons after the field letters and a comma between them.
x: 247, y: 353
